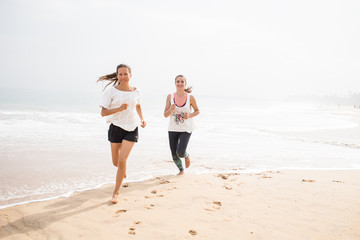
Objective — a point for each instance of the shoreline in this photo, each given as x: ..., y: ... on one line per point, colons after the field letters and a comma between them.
x: 250, y: 171
x: 279, y: 204
x: 341, y: 137
x: 347, y: 138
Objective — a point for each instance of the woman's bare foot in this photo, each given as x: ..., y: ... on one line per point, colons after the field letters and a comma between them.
x: 180, y: 173
x: 187, y: 162
x: 114, y: 199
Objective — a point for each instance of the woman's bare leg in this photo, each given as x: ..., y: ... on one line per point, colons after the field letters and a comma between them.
x: 125, y: 150
x: 187, y: 162
x: 115, y: 153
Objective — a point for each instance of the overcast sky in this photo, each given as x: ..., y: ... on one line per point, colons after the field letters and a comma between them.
x: 245, y: 48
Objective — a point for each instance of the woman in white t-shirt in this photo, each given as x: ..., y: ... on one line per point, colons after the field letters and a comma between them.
x: 121, y: 103
x: 181, y: 107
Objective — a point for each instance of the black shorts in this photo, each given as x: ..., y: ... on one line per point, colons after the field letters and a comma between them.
x: 117, y: 134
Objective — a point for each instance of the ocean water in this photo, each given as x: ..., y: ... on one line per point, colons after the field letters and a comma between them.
x: 46, y: 153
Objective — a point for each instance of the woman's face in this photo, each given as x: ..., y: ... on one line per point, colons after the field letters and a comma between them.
x: 180, y: 83
x: 123, y: 74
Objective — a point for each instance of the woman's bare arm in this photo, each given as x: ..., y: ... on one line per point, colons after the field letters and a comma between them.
x: 107, y: 112
x: 169, y: 108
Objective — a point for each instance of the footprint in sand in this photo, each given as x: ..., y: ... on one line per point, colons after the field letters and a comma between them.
x: 223, y: 176
x: 192, y: 232
x: 163, y: 181
x: 132, y: 231
x: 226, y: 176
x: 120, y: 211
x: 265, y: 176
x: 151, y: 206
x: 153, y: 191
x: 213, y: 206
x: 228, y: 188
x: 159, y: 195
x: 308, y: 180
x: 217, y: 203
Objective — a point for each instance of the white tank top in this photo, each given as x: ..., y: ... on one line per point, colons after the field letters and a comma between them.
x: 177, y: 122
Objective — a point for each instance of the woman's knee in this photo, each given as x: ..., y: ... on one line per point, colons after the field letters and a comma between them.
x: 122, y: 163
x: 181, y: 154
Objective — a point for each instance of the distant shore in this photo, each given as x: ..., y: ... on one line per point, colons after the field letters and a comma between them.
x: 288, y: 204
x: 346, y: 137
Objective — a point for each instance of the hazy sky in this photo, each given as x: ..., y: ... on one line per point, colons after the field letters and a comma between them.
x: 246, y: 48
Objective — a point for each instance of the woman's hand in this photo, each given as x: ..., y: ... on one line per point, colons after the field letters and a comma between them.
x: 186, y: 116
x: 143, y: 123
x: 169, y: 108
x: 107, y: 112
x: 172, y: 108
x: 123, y: 107
x: 139, y: 111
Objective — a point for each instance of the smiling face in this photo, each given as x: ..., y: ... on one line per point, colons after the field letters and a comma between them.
x: 123, y: 74
x: 180, y: 83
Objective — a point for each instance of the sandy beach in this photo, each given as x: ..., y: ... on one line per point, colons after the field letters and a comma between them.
x: 287, y: 204
x: 268, y: 92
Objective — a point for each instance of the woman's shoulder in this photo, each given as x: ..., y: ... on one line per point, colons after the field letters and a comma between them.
x: 137, y: 91
x: 109, y: 90
x: 169, y: 96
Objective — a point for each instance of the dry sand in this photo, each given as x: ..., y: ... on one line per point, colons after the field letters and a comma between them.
x: 289, y: 204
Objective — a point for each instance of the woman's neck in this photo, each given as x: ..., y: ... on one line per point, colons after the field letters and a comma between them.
x: 124, y: 87
x: 180, y: 93
x: 180, y: 98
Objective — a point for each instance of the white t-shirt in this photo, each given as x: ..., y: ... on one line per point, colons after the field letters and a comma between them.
x: 114, y: 98
x: 177, y: 122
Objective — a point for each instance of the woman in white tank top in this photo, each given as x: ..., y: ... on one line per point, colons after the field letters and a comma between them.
x: 181, y: 107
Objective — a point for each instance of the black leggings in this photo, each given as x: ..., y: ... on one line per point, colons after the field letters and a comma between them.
x: 178, y: 143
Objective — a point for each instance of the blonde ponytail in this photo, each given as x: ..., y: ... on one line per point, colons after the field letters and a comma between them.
x: 188, y: 89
